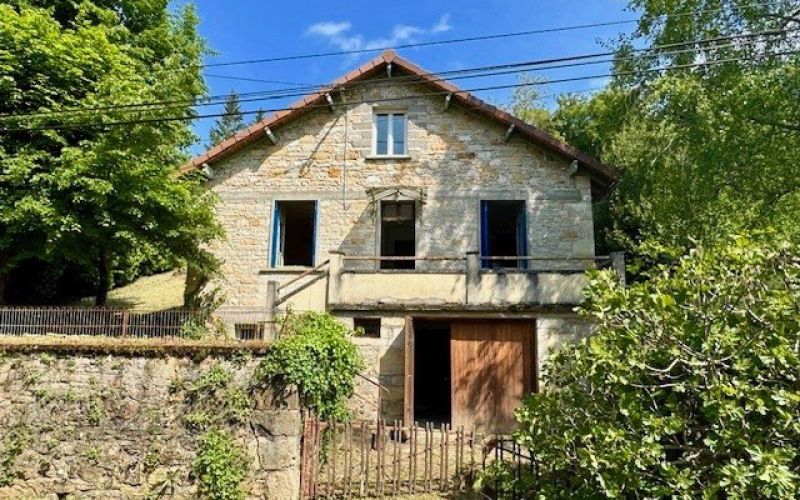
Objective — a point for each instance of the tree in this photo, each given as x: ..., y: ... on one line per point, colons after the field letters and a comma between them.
x: 690, y: 386
x: 71, y: 189
x: 259, y: 116
x: 705, y: 151
x: 228, y: 124
x: 526, y: 104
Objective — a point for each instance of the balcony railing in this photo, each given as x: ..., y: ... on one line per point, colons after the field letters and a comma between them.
x: 471, y: 281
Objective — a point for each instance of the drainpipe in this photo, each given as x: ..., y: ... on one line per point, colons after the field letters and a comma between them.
x: 272, y: 299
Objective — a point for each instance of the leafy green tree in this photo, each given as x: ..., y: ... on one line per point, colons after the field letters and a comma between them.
x: 72, y: 189
x: 229, y: 123
x: 526, y: 104
x: 706, y: 150
x: 689, y: 388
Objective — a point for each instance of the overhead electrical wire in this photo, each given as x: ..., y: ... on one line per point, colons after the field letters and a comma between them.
x: 367, y: 101
x: 480, y: 38
x: 478, y: 72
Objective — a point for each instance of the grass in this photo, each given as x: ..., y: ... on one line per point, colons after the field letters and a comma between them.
x: 149, y: 293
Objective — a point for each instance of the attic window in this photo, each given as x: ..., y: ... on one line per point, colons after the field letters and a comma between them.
x: 389, y: 134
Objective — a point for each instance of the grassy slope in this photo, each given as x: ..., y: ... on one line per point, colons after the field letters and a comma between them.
x: 150, y: 293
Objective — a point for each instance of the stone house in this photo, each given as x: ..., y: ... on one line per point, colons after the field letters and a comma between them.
x: 452, y: 233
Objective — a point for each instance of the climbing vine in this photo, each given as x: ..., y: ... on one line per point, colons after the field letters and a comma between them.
x: 10, y: 447
x: 220, y: 466
x: 215, y: 399
x: 313, y: 354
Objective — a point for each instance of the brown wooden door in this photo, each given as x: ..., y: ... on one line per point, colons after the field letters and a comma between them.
x: 492, y: 368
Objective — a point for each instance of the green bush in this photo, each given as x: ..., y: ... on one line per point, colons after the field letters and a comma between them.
x: 220, y: 466
x: 313, y: 354
x: 214, y: 399
x: 689, y: 388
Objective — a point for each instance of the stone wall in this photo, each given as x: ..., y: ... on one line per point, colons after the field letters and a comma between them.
x: 455, y: 157
x: 114, y: 426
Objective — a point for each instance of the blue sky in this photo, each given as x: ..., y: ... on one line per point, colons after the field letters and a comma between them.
x: 247, y: 29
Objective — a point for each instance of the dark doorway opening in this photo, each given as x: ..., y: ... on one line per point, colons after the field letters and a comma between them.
x: 294, y: 233
x: 397, y: 233
x: 503, y: 233
x: 432, y: 385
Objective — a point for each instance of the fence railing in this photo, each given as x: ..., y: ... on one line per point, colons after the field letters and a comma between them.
x: 96, y: 321
x: 375, y: 459
x: 192, y: 324
x: 521, y: 463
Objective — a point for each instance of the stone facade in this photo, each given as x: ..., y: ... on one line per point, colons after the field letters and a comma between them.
x: 105, y: 426
x: 455, y: 159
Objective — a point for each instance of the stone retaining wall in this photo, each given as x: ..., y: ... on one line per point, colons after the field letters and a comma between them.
x: 114, y: 426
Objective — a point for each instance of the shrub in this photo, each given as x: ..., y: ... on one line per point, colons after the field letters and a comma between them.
x: 214, y: 399
x: 314, y: 354
x: 690, y: 387
x: 220, y: 466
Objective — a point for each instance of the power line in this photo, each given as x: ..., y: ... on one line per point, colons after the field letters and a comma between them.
x: 369, y: 101
x: 464, y: 40
x: 482, y: 71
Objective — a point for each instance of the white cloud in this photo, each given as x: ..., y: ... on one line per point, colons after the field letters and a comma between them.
x: 339, y: 34
x: 328, y: 29
x: 443, y: 24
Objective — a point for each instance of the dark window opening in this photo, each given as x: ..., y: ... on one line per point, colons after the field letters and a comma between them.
x: 249, y: 331
x: 397, y: 233
x: 370, y: 327
x: 503, y: 234
x: 293, y: 238
x: 432, y: 371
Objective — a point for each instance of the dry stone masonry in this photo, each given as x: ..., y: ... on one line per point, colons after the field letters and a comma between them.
x: 107, y: 426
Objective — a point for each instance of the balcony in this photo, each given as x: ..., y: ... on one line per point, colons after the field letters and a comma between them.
x: 449, y: 283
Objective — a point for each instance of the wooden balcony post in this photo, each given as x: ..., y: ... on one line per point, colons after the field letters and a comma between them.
x: 272, y: 297
x: 473, y: 272
x: 335, y: 276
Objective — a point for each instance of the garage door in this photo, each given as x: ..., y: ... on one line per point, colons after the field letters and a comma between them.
x: 492, y: 368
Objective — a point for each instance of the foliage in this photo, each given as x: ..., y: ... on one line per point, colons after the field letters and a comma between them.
x: 228, y: 124
x: 706, y: 151
x: 526, y: 104
x: 103, y: 198
x: 690, y: 386
x: 215, y: 399
x: 313, y: 354
x: 220, y: 466
x: 11, y: 446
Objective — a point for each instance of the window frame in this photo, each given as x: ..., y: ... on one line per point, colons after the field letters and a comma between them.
x: 379, y: 230
x: 392, y: 115
x: 275, y: 245
x: 359, y: 319
x: 525, y: 242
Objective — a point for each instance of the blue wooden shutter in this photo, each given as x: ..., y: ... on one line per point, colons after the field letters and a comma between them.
x: 484, y: 232
x: 522, y: 235
x: 276, y: 233
x: 314, y: 230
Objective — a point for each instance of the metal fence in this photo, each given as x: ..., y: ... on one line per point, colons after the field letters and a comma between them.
x: 97, y: 321
x: 364, y: 459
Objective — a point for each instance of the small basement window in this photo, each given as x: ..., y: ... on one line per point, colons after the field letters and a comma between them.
x: 389, y: 134
x: 370, y: 326
x: 503, y: 233
x: 249, y: 331
x: 294, y: 233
